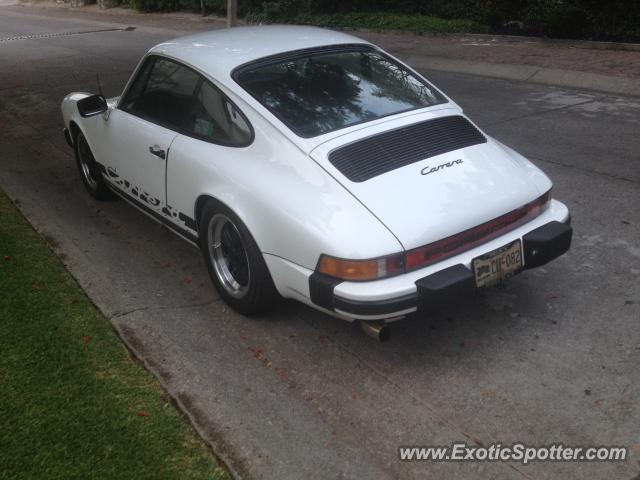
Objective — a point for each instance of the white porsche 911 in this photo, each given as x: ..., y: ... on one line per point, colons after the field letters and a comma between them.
x: 312, y: 164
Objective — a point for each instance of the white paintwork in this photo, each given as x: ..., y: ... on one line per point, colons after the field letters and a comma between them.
x: 421, y: 209
x: 292, y: 200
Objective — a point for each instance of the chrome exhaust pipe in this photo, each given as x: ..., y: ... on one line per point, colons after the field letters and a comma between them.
x: 379, y: 331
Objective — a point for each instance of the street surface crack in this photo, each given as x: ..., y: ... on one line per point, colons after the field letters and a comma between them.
x: 164, y: 307
x: 542, y: 112
x: 587, y: 170
x: 63, y: 34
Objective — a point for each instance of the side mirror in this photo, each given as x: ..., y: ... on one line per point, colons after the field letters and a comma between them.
x: 92, y: 105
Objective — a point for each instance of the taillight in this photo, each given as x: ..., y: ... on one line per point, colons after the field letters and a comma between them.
x: 361, y: 270
x: 447, y: 247
x: 376, y: 268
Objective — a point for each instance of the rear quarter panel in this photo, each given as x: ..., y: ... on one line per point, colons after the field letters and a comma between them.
x: 291, y: 206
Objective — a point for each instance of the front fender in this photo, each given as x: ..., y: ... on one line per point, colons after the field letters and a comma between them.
x: 69, y: 108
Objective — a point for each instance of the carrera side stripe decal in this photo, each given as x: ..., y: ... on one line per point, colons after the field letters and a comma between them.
x: 188, y: 221
x: 144, y: 201
x: 184, y: 233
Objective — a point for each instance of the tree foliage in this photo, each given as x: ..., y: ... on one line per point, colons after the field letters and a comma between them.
x: 595, y: 19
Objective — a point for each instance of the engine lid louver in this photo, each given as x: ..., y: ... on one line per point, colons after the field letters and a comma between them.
x: 373, y: 156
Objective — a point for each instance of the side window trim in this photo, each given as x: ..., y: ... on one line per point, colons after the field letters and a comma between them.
x: 202, y: 80
x: 153, y: 58
x: 149, y: 59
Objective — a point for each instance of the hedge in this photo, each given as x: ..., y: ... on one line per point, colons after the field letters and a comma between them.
x: 592, y: 19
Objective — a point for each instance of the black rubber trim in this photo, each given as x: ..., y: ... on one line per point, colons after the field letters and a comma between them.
x: 372, y: 156
x: 67, y: 137
x: 445, y: 286
x: 568, y: 220
x: 152, y: 57
x: 433, y: 291
x: 546, y: 243
x: 321, y: 289
x: 345, y: 47
x: 295, y: 54
x: 381, y: 307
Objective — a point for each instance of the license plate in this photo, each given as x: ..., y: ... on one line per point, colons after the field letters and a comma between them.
x: 493, y: 267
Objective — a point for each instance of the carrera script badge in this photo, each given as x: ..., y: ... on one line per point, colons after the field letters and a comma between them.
x: 427, y: 170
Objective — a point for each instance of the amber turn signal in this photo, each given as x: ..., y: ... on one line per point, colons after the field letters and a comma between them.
x: 361, y: 270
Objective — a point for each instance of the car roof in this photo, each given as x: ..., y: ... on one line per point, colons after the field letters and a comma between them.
x: 218, y: 52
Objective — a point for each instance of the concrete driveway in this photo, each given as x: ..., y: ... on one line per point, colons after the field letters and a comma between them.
x: 551, y: 357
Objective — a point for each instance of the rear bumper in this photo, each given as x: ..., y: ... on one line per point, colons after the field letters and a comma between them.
x: 440, y: 286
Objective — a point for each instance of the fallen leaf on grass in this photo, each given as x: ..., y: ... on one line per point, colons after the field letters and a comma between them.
x: 36, y: 286
x: 143, y: 413
x: 86, y: 339
x: 7, y: 258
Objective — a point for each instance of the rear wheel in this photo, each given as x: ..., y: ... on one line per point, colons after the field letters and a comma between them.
x: 89, y: 171
x: 234, y: 261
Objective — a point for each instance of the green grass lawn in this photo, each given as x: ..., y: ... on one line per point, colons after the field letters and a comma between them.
x: 73, y: 404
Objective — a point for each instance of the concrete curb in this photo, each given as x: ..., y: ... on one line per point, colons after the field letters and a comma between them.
x: 529, y: 73
x: 560, y: 42
x: 588, y: 44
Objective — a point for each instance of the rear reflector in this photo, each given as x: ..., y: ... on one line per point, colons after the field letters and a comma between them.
x: 447, y: 247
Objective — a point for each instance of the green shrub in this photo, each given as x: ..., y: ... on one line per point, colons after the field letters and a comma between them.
x: 375, y: 21
x: 155, y: 5
x: 599, y: 19
x: 568, y: 22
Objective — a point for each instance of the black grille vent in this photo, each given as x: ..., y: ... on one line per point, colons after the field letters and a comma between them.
x: 382, y: 153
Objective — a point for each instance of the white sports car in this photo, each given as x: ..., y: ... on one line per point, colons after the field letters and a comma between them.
x: 312, y: 164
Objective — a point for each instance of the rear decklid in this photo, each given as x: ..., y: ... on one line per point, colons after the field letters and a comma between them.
x: 430, y: 175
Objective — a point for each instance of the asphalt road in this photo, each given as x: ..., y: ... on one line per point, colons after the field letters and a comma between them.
x: 551, y: 357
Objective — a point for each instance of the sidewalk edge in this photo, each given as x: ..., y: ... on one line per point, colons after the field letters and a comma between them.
x: 532, y: 74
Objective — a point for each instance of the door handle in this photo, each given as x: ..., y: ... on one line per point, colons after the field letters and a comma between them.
x: 158, y: 152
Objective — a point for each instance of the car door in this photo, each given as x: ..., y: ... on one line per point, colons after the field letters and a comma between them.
x: 143, y: 126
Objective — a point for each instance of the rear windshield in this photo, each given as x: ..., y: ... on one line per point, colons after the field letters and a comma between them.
x: 321, y: 91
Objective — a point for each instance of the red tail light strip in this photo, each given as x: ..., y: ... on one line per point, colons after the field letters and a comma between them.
x: 434, y: 252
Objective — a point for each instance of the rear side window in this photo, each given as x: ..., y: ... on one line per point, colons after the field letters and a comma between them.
x: 216, y: 119
x: 162, y: 92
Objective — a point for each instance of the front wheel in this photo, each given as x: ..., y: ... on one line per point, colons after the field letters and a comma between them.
x: 89, y: 171
x: 235, y: 262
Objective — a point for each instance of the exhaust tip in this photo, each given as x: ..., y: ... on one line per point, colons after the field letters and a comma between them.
x: 379, y: 331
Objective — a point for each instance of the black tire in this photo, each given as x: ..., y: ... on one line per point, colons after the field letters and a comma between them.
x: 226, y: 243
x: 89, y: 171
